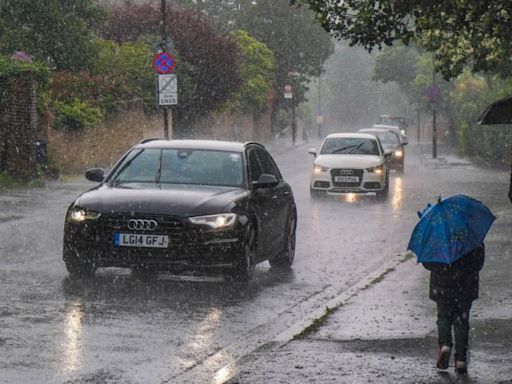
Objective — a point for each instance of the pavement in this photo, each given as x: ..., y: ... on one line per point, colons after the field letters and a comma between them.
x: 386, y: 332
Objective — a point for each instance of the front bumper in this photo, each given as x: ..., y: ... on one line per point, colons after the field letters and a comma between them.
x: 190, y: 247
x: 368, y: 182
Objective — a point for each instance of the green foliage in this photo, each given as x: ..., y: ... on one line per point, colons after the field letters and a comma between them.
x: 256, y: 72
x: 10, y: 67
x: 474, y: 32
x: 128, y: 66
x: 471, y: 95
x: 52, y: 30
x: 76, y: 115
x: 299, y: 45
x: 7, y: 181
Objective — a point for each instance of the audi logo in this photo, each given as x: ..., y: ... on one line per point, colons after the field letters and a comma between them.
x: 346, y: 171
x: 142, y: 225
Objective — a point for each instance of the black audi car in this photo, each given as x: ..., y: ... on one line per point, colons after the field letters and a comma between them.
x: 184, y: 206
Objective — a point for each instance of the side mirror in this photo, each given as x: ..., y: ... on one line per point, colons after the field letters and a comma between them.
x: 95, y: 174
x: 388, y: 155
x: 312, y: 151
x: 266, y: 181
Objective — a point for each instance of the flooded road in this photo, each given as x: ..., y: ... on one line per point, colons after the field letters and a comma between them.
x: 117, y: 328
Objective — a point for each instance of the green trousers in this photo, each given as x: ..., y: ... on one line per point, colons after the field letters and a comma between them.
x: 454, y: 315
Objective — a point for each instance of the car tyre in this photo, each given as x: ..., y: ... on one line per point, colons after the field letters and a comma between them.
x: 285, y: 258
x: 244, y: 266
x: 384, y: 193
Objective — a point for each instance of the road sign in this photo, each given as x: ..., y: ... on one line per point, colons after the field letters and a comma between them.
x: 167, y: 90
x: 164, y: 63
x: 433, y: 93
x: 288, y: 91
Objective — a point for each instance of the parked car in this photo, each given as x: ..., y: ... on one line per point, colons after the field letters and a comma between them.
x: 350, y: 162
x: 184, y: 206
x: 393, y: 128
x: 398, y: 121
x: 391, y: 142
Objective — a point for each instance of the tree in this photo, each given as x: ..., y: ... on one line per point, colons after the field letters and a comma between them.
x: 300, y: 46
x: 207, y: 61
x: 54, y: 31
x: 475, y: 32
x: 256, y: 72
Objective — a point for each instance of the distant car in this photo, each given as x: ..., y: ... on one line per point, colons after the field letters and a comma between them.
x: 394, y: 128
x: 391, y: 142
x: 350, y: 162
x: 184, y: 205
x: 398, y: 121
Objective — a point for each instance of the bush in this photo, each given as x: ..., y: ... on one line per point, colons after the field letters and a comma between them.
x: 76, y: 115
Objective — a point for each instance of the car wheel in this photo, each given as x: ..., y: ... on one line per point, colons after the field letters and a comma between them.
x: 244, y: 267
x: 384, y: 193
x: 78, y: 267
x: 401, y: 168
x: 285, y: 258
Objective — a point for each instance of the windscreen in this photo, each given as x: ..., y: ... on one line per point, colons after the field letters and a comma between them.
x: 350, y: 145
x: 181, y: 166
x: 388, y: 138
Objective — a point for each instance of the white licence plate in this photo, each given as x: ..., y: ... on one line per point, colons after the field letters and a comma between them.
x: 138, y: 240
x: 346, y: 179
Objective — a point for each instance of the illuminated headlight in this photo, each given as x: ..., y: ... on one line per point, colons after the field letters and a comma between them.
x: 222, y: 220
x: 377, y: 170
x: 398, y: 154
x: 79, y: 215
x: 319, y: 169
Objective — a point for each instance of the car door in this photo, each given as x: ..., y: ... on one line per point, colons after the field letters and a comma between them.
x: 281, y: 195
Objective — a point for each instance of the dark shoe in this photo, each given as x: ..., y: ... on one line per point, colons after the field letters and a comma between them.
x: 443, y: 357
x: 461, y: 367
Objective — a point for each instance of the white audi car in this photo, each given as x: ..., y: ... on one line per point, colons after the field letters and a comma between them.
x: 350, y: 162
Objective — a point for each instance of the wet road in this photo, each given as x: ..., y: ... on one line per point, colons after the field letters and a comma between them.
x: 174, y: 330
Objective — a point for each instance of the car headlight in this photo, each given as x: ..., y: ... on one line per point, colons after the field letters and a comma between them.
x: 79, y: 215
x: 319, y: 169
x: 398, y: 154
x: 222, y: 220
x: 377, y: 170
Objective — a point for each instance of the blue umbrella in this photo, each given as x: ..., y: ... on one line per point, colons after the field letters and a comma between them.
x: 450, y: 229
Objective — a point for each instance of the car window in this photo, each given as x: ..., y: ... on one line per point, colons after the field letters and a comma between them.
x: 255, y: 167
x: 268, y: 164
x: 183, y: 166
x: 350, y: 145
x: 388, y: 138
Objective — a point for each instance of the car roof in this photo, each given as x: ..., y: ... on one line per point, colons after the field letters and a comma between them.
x: 354, y: 135
x: 378, y: 130
x: 216, y: 145
x: 386, y: 126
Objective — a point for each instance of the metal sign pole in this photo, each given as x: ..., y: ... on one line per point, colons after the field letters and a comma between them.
x: 167, y: 127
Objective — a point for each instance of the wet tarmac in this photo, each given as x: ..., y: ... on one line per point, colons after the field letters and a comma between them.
x: 118, y: 329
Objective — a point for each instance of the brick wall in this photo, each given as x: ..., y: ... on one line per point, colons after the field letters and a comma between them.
x: 18, y: 125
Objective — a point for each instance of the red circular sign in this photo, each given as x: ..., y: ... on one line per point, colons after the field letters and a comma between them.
x: 164, y: 63
x: 287, y: 88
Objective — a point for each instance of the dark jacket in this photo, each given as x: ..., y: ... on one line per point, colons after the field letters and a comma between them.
x: 510, y: 186
x: 457, y: 282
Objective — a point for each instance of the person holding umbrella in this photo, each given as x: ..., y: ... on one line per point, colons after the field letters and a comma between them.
x: 448, y: 241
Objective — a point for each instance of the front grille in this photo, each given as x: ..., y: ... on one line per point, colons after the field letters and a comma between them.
x: 358, y: 173
x: 166, y: 224
x: 321, y: 184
